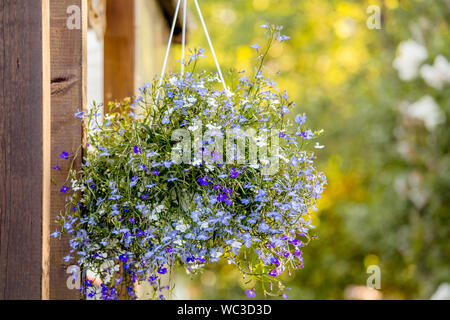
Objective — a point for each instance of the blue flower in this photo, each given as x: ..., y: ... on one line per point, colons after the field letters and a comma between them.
x: 300, y: 119
x: 203, y: 181
x: 250, y: 293
x: 234, y: 173
x: 282, y: 38
x: 55, y: 234
x: 64, y: 155
x: 64, y: 189
x: 137, y: 150
x: 134, y: 181
x: 273, y: 273
x: 255, y: 46
x: 166, y: 120
x: 162, y: 270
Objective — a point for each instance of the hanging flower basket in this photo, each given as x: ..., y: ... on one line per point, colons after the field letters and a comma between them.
x: 168, y: 179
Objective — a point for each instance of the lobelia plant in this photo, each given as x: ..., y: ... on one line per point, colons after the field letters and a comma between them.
x: 144, y: 200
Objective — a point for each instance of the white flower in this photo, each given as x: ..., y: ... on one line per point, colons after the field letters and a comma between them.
x: 427, y: 110
x: 77, y: 187
x: 212, y: 102
x: 182, y: 227
x: 204, y: 225
x: 438, y: 74
x: 194, y: 127
x: 179, y: 242
x: 159, y: 209
x: 173, y: 81
x: 318, y: 146
x: 216, y: 254
x: 236, y: 245
x: 411, y: 55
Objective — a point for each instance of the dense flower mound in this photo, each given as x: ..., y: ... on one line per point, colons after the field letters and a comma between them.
x: 135, y: 209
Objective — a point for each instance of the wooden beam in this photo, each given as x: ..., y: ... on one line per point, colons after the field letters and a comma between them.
x: 68, y: 87
x: 24, y: 117
x: 119, y: 46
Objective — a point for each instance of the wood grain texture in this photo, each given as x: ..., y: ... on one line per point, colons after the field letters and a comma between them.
x: 119, y: 46
x: 68, y: 95
x: 21, y: 148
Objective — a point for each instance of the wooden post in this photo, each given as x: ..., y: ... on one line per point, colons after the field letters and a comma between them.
x: 119, y: 49
x: 24, y: 148
x: 68, y: 95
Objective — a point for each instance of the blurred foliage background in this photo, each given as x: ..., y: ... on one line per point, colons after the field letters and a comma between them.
x: 386, y: 158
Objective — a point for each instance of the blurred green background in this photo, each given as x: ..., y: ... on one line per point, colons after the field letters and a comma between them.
x: 386, y: 157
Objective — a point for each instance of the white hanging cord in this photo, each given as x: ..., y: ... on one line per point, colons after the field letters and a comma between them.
x: 168, y: 48
x: 183, y: 42
x: 166, y: 58
x: 211, y: 46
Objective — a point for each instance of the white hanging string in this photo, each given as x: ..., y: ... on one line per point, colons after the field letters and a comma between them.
x: 184, y: 44
x: 211, y: 45
x: 166, y: 58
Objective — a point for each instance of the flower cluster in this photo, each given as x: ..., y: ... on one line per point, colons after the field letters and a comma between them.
x: 135, y: 212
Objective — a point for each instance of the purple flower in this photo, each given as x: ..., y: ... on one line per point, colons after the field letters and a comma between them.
x: 162, y: 270
x: 64, y: 155
x: 234, y: 173
x: 282, y: 38
x: 137, y: 150
x: 166, y: 120
x: 123, y: 258
x: 250, y: 293
x: 285, y: 297
x: 300, y: 119
x: 275, y: 261
x: 273, y: 273
x: 64, y: 189
x: 156, y: 172
x: 255, y: 46
x: 145, y: 196
x: 56, y: 167
x: 134, y: 181
x: 132, y: 220
x: 203, y: 181
x: 55, y: 234
x: 222, y: 197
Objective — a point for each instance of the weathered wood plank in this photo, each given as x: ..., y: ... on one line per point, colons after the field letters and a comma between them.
x: 119, y: 49
x: 68, y: 89
x: 24, y: 95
